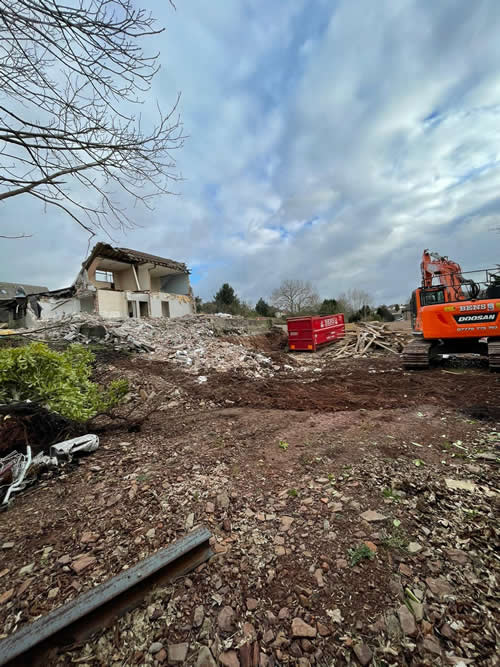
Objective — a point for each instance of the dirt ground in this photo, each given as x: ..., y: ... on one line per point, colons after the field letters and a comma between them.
x: 341, y: 533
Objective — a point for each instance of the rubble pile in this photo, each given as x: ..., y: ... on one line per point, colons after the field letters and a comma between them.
x: 193, y: 341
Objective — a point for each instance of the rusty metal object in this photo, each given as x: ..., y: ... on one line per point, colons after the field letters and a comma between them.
x: 101, y: 606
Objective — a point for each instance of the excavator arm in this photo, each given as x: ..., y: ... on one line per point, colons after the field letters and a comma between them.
x: 449, y: 275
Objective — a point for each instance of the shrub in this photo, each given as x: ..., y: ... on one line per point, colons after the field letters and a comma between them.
x: 59, y: 380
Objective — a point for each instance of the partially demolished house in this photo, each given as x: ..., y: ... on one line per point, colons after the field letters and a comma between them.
x: 119, y: 283
x: 15, y: 301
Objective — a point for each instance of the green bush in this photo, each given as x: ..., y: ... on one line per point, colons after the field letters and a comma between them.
x: 60, y: 380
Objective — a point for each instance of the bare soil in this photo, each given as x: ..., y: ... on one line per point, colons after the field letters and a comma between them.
x: 280, y: 470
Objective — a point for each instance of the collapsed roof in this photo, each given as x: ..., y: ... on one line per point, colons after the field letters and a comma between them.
x: 133, y: 257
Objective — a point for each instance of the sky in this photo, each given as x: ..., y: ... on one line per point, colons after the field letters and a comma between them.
x: 329, y: 141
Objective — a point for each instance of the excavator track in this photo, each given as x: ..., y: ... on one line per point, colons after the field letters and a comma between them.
x: 494, y: 354
x: 417, y: 354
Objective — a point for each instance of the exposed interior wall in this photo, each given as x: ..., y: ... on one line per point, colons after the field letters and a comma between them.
x: 55, y: 309
x: 112, y: 305
x: 144, y: 277
x: 125, y: 279
x: 178, y: 283
x: 100, y: 284
x: 155, y: 283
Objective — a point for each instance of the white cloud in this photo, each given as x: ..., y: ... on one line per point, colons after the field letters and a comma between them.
x: 376, y: 121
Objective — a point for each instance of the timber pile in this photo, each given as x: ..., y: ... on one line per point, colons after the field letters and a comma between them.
x: 369, y: 337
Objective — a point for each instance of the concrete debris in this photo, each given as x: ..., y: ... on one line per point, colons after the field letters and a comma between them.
x: 407, y: 621
x: 363, y: 653
x: 226, y: 619
x: 85, y: 443
x: 371, y: 515
x: 205, y: 658
x: 177, y: 653
x: 155, y: 647
x: 194, y: 342
x: 414, y: 548
x: 301, y: 629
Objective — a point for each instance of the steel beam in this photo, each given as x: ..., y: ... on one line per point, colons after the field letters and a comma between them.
x: 101, y: 606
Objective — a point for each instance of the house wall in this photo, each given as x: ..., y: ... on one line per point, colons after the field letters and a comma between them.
x: 112, y: 305
x: 155, y: 283
x: 177, y: 283
x: 179, y: 308
x: 55, y: 309
x: 179, y: 305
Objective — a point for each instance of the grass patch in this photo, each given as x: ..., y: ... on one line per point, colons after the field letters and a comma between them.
x: 396, y: 539
x: 389, y: 493
x: 359, y: 554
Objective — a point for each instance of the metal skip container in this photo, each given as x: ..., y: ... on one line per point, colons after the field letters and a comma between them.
x: 309, y: 333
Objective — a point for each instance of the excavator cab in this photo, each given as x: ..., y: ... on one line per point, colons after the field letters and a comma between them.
x: 429, y: 297
x: 424, y: 297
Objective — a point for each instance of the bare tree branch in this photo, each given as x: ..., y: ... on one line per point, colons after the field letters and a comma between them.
x: 294, y: 296
x: 71, y: 77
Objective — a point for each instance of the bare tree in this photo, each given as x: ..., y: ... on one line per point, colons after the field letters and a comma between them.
x: 71, y: 76
x: 294, y: 296
x: 353, y: 300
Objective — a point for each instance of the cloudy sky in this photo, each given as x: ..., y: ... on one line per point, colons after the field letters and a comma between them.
x: 329, y: 140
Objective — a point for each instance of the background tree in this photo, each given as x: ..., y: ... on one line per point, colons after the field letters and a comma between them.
x: 209, y: 307
x: 71, y: 75
x: 329, y: 307
x: 294, y: 296
x: 354, y: 299
x: 385, y: 314
x: 226, y: 300
x: 263, y: 308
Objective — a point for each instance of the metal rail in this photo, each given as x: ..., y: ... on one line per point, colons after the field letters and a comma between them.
x: 98, y: 608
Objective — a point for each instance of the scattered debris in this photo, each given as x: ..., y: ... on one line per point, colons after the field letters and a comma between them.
x: 19, y: 470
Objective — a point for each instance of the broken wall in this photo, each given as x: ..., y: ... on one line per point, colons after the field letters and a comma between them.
x: 178, y: 283
x: 112, y: 305
x: 55, y: 309
x: 178, y: 305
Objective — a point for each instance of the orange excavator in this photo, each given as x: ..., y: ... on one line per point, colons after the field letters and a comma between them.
x: 454, y: 313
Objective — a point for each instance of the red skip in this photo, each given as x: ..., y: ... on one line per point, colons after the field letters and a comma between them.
x: 308, y: 333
